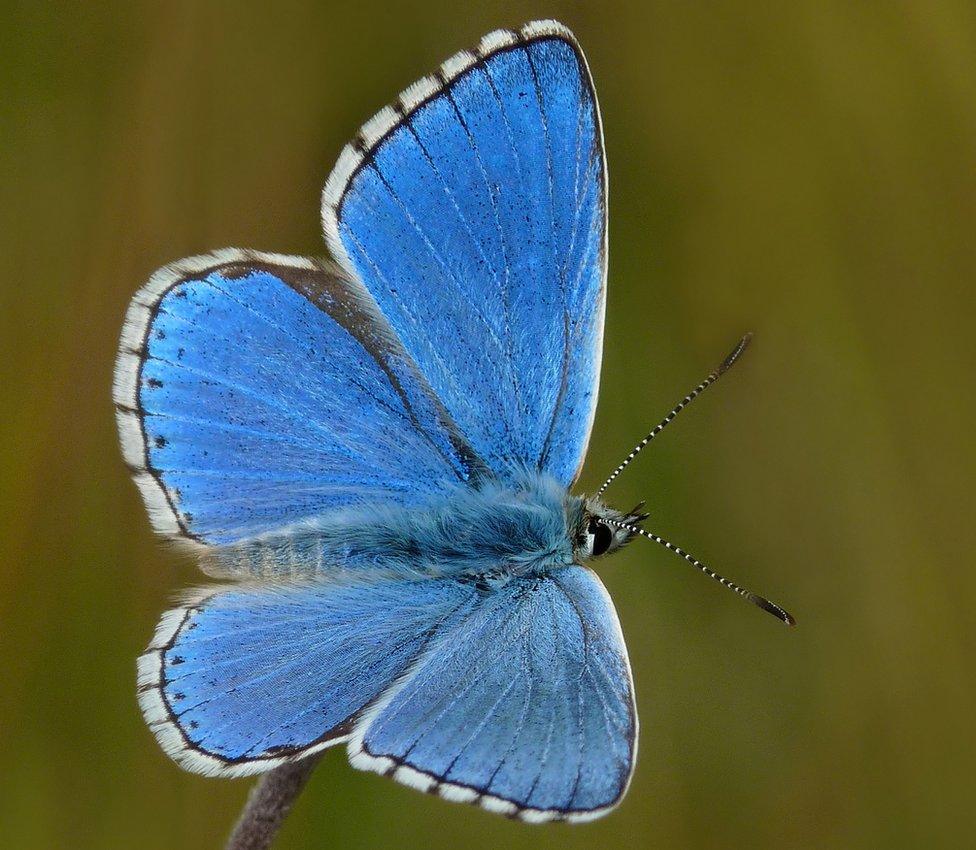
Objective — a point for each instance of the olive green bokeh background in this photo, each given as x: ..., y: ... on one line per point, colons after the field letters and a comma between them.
x: 806, y: 170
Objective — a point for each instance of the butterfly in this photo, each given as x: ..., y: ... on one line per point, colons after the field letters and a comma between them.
x: 377, y: 451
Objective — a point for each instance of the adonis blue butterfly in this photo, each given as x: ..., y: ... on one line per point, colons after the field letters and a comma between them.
x: 377, y: 452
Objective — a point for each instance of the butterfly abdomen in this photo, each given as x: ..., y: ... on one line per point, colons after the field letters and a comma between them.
x: 494, y: 531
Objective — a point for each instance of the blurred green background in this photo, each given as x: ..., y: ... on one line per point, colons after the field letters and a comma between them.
x: 806, y: 170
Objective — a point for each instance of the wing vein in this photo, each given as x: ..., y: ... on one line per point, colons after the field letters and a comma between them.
x: 506, y: 249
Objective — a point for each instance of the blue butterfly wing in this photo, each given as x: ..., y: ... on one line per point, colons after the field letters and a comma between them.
x: 526, y: 707
x: 462, y: 340
x: 237, y: 682
x: 253, y: 390
x: 474, y: 211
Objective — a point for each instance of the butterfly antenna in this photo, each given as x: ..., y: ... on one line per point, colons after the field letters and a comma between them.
x: 681, y: 405
x: 754, y: 598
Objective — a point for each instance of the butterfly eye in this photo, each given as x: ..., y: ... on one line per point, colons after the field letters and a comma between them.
x: 598, y: 537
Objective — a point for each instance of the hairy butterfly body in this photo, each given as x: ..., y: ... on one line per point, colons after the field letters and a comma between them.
x: 378, y: 453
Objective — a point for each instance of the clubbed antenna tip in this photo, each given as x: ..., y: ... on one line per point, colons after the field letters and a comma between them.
x: 772, y: 607
x: 736, y: 352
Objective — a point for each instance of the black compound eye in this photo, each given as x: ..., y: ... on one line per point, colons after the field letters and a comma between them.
x: 599, y: 537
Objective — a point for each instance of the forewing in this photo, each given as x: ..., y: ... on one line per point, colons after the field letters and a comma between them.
x: 526, y: 707
x: 240, y: 681
x: 253, y: 390
x: 474, y: 211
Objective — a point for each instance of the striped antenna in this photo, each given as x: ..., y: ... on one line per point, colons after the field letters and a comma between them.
x: 681, y: 405
x: 754, y: 598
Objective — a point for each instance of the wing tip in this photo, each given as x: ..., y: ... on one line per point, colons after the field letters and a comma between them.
x: 409, y: 100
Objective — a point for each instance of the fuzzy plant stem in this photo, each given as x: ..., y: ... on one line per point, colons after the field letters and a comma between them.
x: 268, y: 805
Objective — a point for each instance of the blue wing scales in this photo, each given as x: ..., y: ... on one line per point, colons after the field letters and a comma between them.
x: 519, y: 699
x: 474, y: 211
x: 254, y: 390
x: 239, y: 681
x: 526, y: 708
